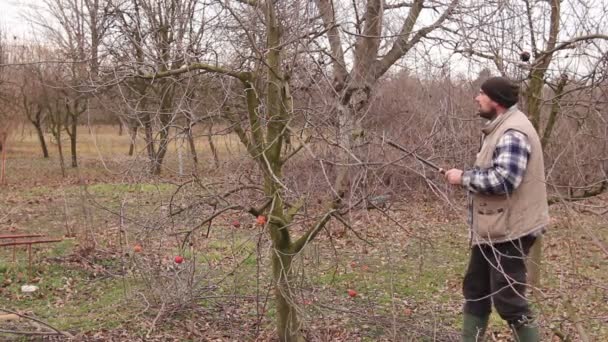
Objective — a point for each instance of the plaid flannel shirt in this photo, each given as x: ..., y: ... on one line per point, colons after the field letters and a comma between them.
x: 509, y: 162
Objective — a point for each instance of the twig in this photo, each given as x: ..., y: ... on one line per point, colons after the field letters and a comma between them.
x: 577, y: 322
x: 160, y: 312
x: 37, y: 333
x: 56, y: 331
x: 588, y: 192
x: 312, y: 233
x: 339, y: 217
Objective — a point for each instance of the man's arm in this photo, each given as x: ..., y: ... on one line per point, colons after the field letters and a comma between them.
x: 509, y: 163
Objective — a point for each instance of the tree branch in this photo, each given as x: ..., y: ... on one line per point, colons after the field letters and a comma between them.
x: 312, y: 233
x: 291, y: 212
x: 333, y: 35
x: 366, y: 48
x: 566, y: 44
x: 555, y: 110
x: 253, y: 211
x: 296, y: 150
x: 240, y: 132
x: 55, y: 331
x: 253, y: 3
x: 196, y: 66
x: 405, y: 4
x: 531, y: 28
x: 587, y: 193
x: 339, y: 218
x: 402, y: 45
x: 496, y: 59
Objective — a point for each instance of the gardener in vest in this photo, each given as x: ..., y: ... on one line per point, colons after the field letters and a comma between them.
x: 507, y: 211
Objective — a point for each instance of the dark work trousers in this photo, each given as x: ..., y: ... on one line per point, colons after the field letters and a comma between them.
x: 497, y: 273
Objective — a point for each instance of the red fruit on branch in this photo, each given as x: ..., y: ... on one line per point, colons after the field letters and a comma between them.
x: 178, y: 259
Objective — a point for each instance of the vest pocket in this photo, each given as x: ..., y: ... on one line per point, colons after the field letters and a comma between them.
x: 490, y: 224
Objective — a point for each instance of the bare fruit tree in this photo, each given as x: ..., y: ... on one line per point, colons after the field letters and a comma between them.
x: 362, y: 51
x: 262, y: 41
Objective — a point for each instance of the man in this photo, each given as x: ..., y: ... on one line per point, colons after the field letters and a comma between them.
x: 507, y: 211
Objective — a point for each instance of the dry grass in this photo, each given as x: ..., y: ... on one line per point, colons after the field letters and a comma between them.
x: 103, y: 154
x: 104, y: 141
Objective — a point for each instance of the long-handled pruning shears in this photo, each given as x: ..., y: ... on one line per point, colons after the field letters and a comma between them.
x: 424, y: 161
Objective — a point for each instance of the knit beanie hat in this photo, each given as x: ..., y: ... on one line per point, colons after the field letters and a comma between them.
x: 501, y: 91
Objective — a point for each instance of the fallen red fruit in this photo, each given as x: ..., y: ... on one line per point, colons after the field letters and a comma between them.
x: 261, y: 220
x: 178, y: 259
x: 236, y: 224
x: 352, y: 293
x: 137, y: 248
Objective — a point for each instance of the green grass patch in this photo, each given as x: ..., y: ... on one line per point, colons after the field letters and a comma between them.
x: 69, y: 298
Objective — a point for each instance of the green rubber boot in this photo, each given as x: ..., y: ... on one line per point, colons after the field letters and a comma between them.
x: 527, y: 332
x: 473, y: 328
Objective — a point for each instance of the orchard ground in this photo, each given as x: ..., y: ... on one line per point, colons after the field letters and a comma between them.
x: 115, y: 277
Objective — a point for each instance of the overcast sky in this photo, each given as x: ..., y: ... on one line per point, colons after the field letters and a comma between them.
x: 11, y: 19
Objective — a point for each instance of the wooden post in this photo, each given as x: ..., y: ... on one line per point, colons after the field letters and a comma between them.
x: 29, y: 244
x: 29, y: 262
x: 6, y: 127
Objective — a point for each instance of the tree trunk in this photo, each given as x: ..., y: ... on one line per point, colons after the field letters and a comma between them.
x: 73, y: 137
x: 45, y: 151
x: 162, y: 150
x: 149, y: 136
x: 533, y: 263
x: 166, y: 116
x: 533, y: 96
x: 192, y: 146
x: 534, y: 259
x: 133, y: 130
x: 287, y: 317
x: 288, y: 326
x: 534, y: 99
x: 350, y: 134
x: 277, y: 108
x: 216, y: 158
x: 2, y: 162
x: 60, y: 150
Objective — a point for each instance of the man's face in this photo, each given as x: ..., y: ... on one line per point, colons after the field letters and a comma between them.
x: 487, y: 107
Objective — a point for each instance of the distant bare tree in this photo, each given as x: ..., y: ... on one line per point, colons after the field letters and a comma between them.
x: 31, y: 93
x: 78, y: 38
x: 159, y: 36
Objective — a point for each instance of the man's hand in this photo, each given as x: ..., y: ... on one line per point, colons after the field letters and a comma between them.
x: 454, y: 176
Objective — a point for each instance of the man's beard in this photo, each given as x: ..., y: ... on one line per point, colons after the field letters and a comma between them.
x: 488, y: 115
